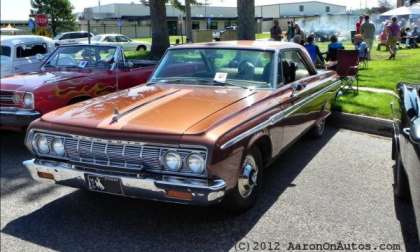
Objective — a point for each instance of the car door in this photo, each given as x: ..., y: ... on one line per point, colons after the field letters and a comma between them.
x: 409, y: 148
x: 124, y: 42
x: 28, y: 56
x: 129, y: 76
x: 305, y: 101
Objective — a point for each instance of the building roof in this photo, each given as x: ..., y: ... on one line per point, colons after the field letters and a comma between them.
x: 245, y: 44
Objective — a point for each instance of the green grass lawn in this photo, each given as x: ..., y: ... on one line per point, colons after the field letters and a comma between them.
x: 172, y: 39
x: 366, y: 103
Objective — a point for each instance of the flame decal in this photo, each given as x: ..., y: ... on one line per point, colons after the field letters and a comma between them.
x: 87, y: 90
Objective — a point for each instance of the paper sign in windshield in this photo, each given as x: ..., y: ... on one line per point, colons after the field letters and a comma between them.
x: 83, y: 63
x: 220, y: 77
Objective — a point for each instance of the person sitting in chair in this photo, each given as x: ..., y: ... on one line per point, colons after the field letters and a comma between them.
x: 314, y: 51
x: 361, y: 47
x: 333, y: 47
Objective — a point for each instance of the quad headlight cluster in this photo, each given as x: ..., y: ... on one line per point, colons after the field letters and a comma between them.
x: 25, y: 99
x: 48, y: 145
x: 173, y: 161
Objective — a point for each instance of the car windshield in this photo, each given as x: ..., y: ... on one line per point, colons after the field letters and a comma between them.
x: 234, y: 67
x: 82, y: 57
x: 5, y: 51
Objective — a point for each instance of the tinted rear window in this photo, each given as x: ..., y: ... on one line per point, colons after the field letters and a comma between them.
x: 5, y: 51
x: 30, y: 50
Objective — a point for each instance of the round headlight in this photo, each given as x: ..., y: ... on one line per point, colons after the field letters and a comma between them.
x: 16, y: 98
x: 172, y: 161
x: 28, y: 100
x: 42, y: 145
x: 58, y: 146
x: 196, y: 163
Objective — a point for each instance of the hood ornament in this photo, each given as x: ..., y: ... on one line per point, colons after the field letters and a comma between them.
x: 116, y: 115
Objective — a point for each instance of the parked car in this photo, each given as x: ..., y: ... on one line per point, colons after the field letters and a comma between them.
x: 67, y: 38
x: 23, y: 53
x: 202, y: 130
x: 406, y: 147
x: 70, y: 74
x: 120, y: 40
x: 217, y: 35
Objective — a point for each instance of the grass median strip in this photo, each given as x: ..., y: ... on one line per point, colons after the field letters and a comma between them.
x: 366, y: 103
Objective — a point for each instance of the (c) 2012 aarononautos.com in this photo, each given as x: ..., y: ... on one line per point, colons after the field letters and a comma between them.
x: 201, y: 131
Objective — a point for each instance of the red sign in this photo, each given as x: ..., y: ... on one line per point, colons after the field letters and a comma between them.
x: 41, y: 20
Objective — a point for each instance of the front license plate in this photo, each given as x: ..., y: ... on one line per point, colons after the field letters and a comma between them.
x: 104, y: 184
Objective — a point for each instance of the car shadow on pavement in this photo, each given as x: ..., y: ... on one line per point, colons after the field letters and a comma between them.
x: 88, y: 221
x: 405, y: 214
x: 14, y: 177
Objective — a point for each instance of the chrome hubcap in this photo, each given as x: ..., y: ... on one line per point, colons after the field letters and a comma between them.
x: 248, y: 179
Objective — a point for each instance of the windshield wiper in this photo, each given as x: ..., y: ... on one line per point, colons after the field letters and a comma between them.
x: 221, y: 83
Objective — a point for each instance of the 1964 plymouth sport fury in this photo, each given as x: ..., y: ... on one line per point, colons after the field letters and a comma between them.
x: 201, y: 131
x: 69, y: 75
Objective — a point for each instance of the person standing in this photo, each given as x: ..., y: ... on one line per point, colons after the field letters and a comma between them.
x: 290, y: 30
x: 276, y: 32
x: 359, y: 25
x: 368, y: 33
x: 393, y: 31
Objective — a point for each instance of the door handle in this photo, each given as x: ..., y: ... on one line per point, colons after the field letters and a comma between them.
x: 296, y: 87
x: 406, y: 131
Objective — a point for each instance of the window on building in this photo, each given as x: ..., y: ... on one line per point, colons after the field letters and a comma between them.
x: 195, y: 25
x: 301, y: 8
x: 213, y: 25
x: 327, y: 8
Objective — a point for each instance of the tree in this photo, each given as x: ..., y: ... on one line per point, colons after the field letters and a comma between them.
x: 246, y: 19
x: 59, y: 13
x: 160, y: 35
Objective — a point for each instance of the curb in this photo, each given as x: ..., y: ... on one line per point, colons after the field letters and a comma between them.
x: 372, y: 125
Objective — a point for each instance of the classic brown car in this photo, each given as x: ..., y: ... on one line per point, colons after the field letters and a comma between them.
x: 201, y: 131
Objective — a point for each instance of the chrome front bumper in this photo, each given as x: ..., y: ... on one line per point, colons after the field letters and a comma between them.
x: 17, y: 117
x: 146, y: 186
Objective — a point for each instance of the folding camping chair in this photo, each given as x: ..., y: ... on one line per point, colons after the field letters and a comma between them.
x: 364, y: 59
x: 347, y: 68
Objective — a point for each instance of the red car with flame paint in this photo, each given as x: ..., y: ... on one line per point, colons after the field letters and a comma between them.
x: 69, y: 75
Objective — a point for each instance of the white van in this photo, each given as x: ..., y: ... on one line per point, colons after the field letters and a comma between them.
x: 66, y: 38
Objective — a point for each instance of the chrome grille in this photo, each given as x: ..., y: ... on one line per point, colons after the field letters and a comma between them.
x: 119, y: 154
x: 6, y: 97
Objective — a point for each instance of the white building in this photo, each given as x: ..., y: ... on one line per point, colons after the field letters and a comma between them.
x: 134, y: 19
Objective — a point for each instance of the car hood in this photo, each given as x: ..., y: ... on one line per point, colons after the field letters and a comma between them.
x: 30, y: 81
x: 165, y: 109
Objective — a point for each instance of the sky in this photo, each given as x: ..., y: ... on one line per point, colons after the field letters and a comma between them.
x: 19, y: 9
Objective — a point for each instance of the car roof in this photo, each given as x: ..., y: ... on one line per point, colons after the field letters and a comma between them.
x: 20, y: 39
x: 110, y: 34
x: 243, y: 44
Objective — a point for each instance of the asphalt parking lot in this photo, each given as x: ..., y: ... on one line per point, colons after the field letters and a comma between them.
x: 338, y: 188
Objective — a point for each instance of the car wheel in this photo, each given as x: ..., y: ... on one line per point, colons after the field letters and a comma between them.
x: 318, y: 129
x: 141, y: 48
x: 244, y: 195
x: 401, y: 187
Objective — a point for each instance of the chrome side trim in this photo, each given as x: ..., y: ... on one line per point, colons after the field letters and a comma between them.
x: 278, y: 116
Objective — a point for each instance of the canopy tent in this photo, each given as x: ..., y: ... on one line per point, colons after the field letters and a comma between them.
x: 407, y: 15
x: 403, y: 11
x: 9, y: 28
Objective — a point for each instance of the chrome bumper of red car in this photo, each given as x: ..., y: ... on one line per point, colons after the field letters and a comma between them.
x: 12, y: 117
x: 147, y: 186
